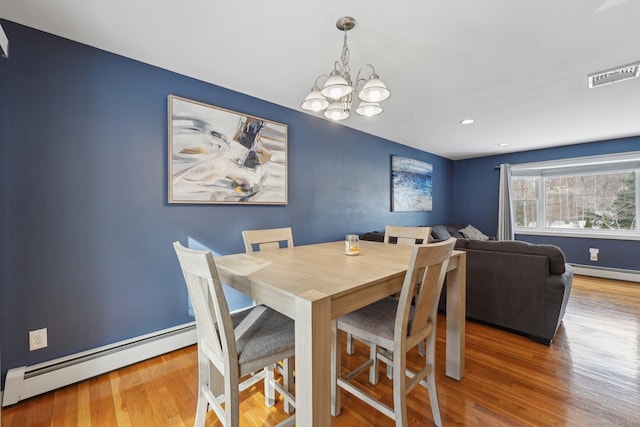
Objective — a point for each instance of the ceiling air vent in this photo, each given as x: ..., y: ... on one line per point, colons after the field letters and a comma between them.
x: 614, y: 75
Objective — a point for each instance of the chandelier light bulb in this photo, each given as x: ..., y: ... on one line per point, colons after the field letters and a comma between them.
x: 317, y: 105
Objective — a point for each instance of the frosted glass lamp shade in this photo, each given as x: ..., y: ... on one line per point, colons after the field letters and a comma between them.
x: 336, y: 111
x: 369, y: 109
x: 315, y: 101
x: 336, y: 87
x: 374, y: 90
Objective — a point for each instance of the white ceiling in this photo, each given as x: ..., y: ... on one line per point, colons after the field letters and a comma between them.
x: 519, y: 68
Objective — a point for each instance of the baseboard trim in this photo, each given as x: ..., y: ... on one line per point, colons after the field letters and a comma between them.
x: 28, y: 381
x: 607, y: 272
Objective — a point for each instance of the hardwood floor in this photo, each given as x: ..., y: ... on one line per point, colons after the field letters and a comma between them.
x: 589, y: 376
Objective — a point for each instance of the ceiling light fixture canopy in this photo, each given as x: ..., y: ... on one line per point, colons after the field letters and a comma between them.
x: 336, y: 96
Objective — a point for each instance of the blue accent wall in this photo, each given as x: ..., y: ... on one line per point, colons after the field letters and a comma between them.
x: 476, y: 201
x: 86, y: 229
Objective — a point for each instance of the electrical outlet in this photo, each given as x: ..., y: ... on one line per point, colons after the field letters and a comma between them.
x: 593, y: 254
x: 37, y: 339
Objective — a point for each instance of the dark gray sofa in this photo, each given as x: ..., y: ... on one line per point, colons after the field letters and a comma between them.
x: 514, y: 285
x: 518, y: 285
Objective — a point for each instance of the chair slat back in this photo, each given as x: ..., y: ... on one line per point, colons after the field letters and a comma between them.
x: 267, y: 239
x: 209, y: 307
x: 426, y: 273
x: 407, y: 235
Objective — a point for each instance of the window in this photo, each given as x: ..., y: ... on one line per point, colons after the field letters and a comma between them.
x: 525, y: 196
x: 595, y: 196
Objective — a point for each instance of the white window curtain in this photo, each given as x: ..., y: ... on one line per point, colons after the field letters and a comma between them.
x: 505, y: 204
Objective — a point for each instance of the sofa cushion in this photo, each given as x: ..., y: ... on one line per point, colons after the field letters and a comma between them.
x: 375, y: 236
x: 470, y: 232
x: 552, y: 252
x: 461, y: 244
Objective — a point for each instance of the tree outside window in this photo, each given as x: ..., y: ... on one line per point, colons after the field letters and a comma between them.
x: 603, y: 201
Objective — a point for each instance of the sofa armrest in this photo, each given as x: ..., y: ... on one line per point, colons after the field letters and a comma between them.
x: 557, y: 292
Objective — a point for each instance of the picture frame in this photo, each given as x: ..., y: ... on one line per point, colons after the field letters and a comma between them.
x: 220, y: 156
x: 411, y: 185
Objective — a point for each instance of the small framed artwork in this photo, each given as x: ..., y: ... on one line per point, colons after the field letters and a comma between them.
x: 222, y: 156
x: 410, y: 185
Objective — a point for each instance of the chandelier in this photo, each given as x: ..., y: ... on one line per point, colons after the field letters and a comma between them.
x: 336, y: 96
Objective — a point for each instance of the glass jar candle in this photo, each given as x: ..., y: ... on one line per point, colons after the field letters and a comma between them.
x: 352, y: 244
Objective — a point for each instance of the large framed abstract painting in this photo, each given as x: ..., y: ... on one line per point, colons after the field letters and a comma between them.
x: 411, y: 185
x: 222, y: 156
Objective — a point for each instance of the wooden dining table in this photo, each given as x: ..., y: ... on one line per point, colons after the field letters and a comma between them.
x: 315, y: 284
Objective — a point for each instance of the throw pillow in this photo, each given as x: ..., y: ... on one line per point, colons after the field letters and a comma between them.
x: 470, y: 232
x: 439, y: 232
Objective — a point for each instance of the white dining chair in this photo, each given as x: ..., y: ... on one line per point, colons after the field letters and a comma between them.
x: 396, y: 325
x: 235, y: 350
x: 401, y: 235
x: 407, y: 235
x: 272, y: 238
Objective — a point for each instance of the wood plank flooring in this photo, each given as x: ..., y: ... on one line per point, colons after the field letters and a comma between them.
x: 589, y: 376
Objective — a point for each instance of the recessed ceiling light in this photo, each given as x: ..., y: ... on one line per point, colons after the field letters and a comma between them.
x: 503, y: 144
x: 466, y: 121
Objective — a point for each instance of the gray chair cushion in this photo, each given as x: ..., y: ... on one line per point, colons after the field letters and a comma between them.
x: 261, y: 331
x: 377, y: 318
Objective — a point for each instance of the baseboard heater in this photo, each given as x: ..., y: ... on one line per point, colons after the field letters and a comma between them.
x: 607, y: 272
x: 28, y: 381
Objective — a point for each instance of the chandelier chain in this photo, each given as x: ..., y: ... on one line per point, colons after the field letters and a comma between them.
x: 344, y: 59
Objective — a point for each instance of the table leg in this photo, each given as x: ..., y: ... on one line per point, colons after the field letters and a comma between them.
x: 336, y: 350
x: 313, y: 361
x: 456, y: 314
